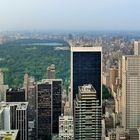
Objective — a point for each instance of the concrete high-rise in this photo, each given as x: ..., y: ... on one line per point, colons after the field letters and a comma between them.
x: 136, y: 47
x: 26, y: 85
x: 30, y: 91
x: 113, y: 74
x: 86, y: 68
x: 1, y: 118
x: 131, y: 94
x: 1, y: 77
x: 66, y: 122
x: 66, y: 128
x: 48, y: 106
x: 15, y: 117
x: 22, y: 120
x: 87, y: 114
x: 4, y: 117
x: 3, y: 87
x: 51, y: 72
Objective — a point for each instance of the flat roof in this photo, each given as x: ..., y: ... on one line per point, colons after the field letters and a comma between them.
x: 87, y: 88
x: 11, y: 134
x: 131, y: 56
x: 48, y: 81
x: 86, y: 49
x: 20, y: 105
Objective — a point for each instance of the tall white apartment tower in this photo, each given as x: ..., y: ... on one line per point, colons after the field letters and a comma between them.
x: 136, y: 47
x: 3, y: 87
x: 1, y: 77
x: 131, y: 94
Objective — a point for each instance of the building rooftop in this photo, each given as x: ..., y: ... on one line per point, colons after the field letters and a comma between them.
x: 86, y: 49
x: 8, y: 134
x: 87, y: 88
x: 51, y: 67
x: 43, y: 81
x: 64, y: 117
x: 138, y: 41
x: 131, y: 56
x: 20, y: 105
x: 15, y: 90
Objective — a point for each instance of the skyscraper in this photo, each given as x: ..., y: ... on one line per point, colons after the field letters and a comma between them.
x: 66, y: 122
x: 131, y: 94
x: 3, y: 87
x: 1, y: 77
x: 30, y: 89
x: 1, y: 118
x: 48, y: 105
x: 4, y: 117
x: 87, y: 114
x: 15, y: 117
x: 56, y: 103
x: 137, y: 48
x: 44, y: 128
x: 86, y: 68
x: 26, y: 85
x: 51, y: 72
x: 113, y: 74
x: 15, y: 95
x: 22, y: 120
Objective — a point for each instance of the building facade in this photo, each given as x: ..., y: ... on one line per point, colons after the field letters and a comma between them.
x: 1, y: 118
x: 136, y: 47
x: 118, y: 134
x: 22, y: 121
x: 131, y: 94
x: 87, y: 114
x: 51, y: 72
x: 66, y: 122
x: 3, y: 87
x: 113, y: 74
x: 66, y: 128
x: 15, y: 117
x: 48, y: 106
x: 86, y: 68
x: 44, y: 128
x: 15, y: 95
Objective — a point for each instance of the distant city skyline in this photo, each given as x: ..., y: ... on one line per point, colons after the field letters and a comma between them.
x: 69, y: 15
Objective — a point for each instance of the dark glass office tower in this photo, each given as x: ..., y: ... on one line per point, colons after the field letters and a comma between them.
x: 48, y: 106
x: 15, y: 95
x: 57, y: 102
x: 86, y: 68
x: 44, y: 112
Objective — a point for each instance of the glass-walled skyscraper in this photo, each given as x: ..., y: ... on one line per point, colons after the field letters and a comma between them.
x: 86, y: 68
x: 48, y: 106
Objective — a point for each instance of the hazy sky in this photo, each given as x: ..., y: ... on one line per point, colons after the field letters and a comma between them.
x: 69, y: 15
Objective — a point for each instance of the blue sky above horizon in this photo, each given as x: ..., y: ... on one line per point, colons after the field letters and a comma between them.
x: 69, y: 15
